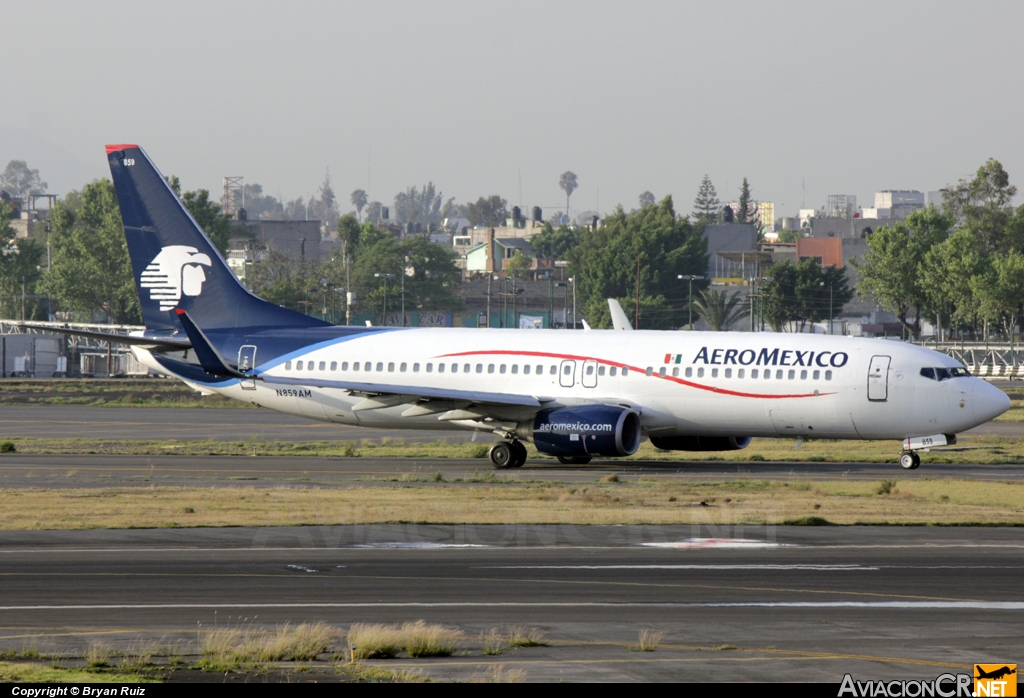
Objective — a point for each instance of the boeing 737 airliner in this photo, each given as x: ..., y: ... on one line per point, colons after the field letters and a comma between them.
x: 574, y: 395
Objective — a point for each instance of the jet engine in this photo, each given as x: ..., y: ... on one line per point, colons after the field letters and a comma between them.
x: 700, y: 443
x: 585, y: 430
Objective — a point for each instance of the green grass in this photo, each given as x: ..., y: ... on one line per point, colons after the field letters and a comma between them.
x: 39, y: 673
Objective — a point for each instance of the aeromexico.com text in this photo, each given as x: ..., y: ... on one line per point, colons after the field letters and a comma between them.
x: 575, y: 426
x: 773, y: 357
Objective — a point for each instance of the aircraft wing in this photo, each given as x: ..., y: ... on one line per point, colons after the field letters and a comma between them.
x: 148, y: 342
x: 411, y: 392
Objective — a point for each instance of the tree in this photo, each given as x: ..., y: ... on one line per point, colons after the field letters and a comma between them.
x: 719, y: 309
x: 18, y: 180
x: 326, y: 207
x: 90, y: 268
x: 569, y: 183
x: 745, y: 204
x: 373, y: 212
x: 432, y: 281
x: 419, y: 206
x: 803, y: 293
x: 359, y: 200
x: 215, y: 224
x: 983, y: 206
x: 604, y: 265
x: 946, y: 278
x: 646, y: 199
x: 259, y: 205
x: 1000, y: 291
x: 555, y: 244
x: 491, y: 211
x: 789, y: 235
x: 519, y: 265
x: 20, y: 261
x: 892, y: 271
x: 706, y: 204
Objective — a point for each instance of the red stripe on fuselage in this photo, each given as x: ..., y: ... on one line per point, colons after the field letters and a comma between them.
x: 680, y: 381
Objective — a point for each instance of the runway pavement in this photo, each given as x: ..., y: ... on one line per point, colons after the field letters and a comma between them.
x: 758, y: 604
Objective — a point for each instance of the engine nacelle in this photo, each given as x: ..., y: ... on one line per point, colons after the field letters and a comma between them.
x: 700, y: 443
x: 585, y: 430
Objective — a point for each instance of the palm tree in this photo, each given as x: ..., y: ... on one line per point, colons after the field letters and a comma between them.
x: 359, y: 200
x: 719, y: 309
x: 568, y: 183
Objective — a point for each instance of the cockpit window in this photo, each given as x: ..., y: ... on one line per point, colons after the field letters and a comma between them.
x: 943, y: 373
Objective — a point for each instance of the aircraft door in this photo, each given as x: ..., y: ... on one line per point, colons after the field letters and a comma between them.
x: 247, y: 364
x: 567, y: 374
x: 589, y: 375
x: 878, y: 379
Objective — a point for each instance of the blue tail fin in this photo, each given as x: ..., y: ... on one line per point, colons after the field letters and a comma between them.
x: 175, y: 264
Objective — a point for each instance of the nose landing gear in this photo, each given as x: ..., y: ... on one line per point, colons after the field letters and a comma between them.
x: 909, y: 460
x: 508, y: 454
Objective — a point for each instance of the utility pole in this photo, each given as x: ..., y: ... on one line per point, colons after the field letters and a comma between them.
x: 551, y: 302
x: 489, y: 278
x: 636, y: 319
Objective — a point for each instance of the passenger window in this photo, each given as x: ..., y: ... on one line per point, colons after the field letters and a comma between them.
x: 415, y: 368
x: 739, y: 373
x: 404, y: 367
x: 440, y: 368
x: 700, y: 372
x: 455, y: 368
x: 391, y: 367
x: 614, y: 370
x: 675, y: 371
x: 714, y: 373
x: 515, y: 369
x: 554, y: 370
x: 567, y: 370
x: 828, y: 375
x: 380, y: 366
x: 298, y: 365
x: 689, y: 371
x: 728, y: 373
x: 753, y: 373
x: 344, y: 365
x: 465, y: 368
x: 803, y: 375
x: 625, y: 371
x: 600, y: 370
x: 479, y: 368
x: 501, y: 369
x: 367, y: 366
x: 661, y: 371
x: 816, y: 375
x: 287, y: 365
x: 430, y: 368
x: 490, y: 368
x: 526, y: 369
x: 355, y: 365
x: 334, y: 365
x: 323, y: 366
x: 792, y: 374
x: 767, y: 374
x: 778, y: 375
x: 649, y: 371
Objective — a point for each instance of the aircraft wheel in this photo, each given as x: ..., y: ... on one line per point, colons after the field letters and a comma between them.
x: 573, y: 460
x: 909, y: 460
x: 519, y: 453
x: 502, y: 455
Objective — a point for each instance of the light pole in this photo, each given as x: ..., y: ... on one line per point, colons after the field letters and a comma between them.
x: 572, y: 280
x: 690, y: 278
x: 829, y: 305
x: 565, y: 303
x: 384, y: 316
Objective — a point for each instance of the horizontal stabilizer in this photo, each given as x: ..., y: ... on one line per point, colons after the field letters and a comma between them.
x: 131, y: 340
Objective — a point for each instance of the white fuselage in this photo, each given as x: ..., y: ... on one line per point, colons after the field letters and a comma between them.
x: 680, y: 383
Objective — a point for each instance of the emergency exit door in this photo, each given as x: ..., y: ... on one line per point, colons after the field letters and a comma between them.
x: 246, y: 365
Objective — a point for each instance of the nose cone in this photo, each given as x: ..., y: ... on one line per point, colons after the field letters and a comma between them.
x: 989, y: 401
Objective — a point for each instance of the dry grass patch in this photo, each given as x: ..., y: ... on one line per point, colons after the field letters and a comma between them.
x: 224, y: 649
x: 417, y: 639
x: 649, y: 640
x: 519, y: 636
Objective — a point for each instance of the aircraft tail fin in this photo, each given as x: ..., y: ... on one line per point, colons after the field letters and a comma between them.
x: 619, y: 319
x: 175, y: 264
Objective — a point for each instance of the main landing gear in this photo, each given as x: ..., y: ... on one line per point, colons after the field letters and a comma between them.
x: 508, y: 454
x: 909, y: 460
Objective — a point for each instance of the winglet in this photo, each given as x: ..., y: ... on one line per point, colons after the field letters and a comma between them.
x: 211, y: 361
x: 619, y: 319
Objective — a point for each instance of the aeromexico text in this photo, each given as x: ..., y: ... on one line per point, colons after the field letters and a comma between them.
x: 773, y: 357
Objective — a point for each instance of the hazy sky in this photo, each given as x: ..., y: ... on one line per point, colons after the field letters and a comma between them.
x: 477, y: 96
